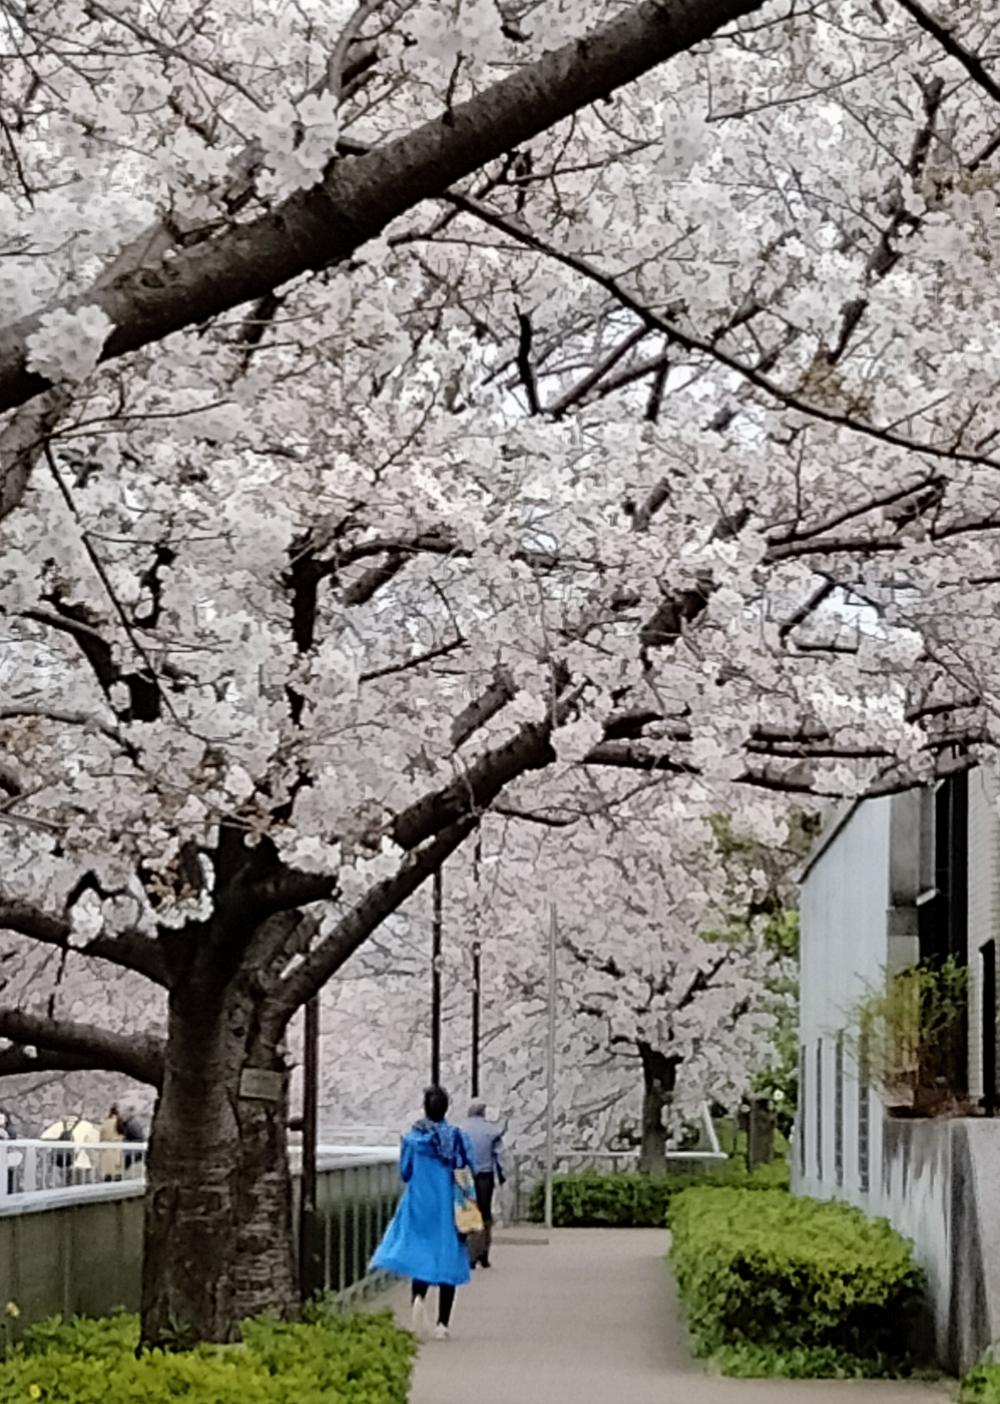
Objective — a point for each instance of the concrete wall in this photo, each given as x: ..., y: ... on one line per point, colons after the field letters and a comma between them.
x: 984, y: 907
x: 937, y: 1182
x: 844, y: 951
x: 80, y: 1251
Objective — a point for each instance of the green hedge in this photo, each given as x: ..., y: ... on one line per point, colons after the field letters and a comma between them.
x: 982, y: 1386
x: 345, y: 1360
x: 592, y: 1199
x: 774, y: 1284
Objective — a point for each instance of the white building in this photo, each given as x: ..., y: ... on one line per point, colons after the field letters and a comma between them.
x: 890, y: 882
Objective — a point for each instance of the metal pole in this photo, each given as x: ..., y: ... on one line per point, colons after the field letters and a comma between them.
x: 310, y: 1106
x: 550, y: 1072
x: 436, y: 981
x: 477, y: 989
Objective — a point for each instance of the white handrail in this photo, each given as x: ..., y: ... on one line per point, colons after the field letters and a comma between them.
x: 47, y: 1173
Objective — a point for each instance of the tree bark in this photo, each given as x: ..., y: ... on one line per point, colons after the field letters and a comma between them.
x: 218, y: 1231
x: 659, y: 1078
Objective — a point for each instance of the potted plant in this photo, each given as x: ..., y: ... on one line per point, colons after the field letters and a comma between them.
x: 909, y: 1038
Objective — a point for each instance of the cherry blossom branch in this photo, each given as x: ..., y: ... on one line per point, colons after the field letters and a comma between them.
x: 579, y: 392
x: 483, y: 708
x: 130, y: 950
x: 140, y: 1056
x: 429, y: 655
x: 944, y: 35
x: 694, y: 344
x: 378, y: 903
x: 349, y: 36
x: 358, y: 197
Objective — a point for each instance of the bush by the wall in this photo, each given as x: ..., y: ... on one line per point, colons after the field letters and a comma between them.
x: 982, y: 1385
x: 592, y: 1199
x: 766, y: 1277
x: 332, y: 1360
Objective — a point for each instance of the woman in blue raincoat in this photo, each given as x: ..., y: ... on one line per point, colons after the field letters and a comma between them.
x: 422, y: 1241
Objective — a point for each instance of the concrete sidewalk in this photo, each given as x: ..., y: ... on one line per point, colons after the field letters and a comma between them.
x: 590, y: 1317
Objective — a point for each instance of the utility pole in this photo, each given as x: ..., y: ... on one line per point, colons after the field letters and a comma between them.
x: 436, y: 925
x: 477, y: 991
x: 310, y: 1108
x: 550, y: 1071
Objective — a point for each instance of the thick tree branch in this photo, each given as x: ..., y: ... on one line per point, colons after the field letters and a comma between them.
x: 140, y: 1056
x: 308, y: 979
x: 944, y: 35
x: 484, y: 707
x: 359, y: 197
x: 130, y: 950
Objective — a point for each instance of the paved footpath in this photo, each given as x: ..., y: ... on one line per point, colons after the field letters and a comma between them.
x: 591, y: 1317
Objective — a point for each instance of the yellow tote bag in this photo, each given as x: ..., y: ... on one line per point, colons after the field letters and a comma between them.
x: 468, y: 1219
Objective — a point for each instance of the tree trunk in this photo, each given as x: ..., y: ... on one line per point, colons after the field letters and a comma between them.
x: 659, y: 1077
x: 218, y: 1234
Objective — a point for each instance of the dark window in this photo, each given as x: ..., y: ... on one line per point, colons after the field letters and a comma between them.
x: 988, y: 952
x: 819, y: 1108
x: 942, y: 906
x: 864, y: 1115
x: 943, y: 899
x: 838, y: 1110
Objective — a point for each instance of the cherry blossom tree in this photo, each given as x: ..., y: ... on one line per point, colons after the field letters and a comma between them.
x: 667, y: 978
x: 417, y: 413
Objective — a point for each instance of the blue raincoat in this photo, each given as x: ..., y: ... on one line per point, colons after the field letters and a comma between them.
x: 422, y: 1241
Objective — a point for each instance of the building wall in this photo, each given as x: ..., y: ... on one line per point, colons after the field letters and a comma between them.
x: 984, y: 907
x: 844, y: 951
x: 937, y: 1182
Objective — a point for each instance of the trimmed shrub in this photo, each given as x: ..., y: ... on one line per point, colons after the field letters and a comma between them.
x: 767, y: 1278
x: 981, y: 1385
x: 332, y: 1360
x: 592, y: 1199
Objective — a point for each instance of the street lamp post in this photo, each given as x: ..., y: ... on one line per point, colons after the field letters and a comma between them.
x: 550, y: 1068
x: 477, y: 991
x: 310, y: 1106
x: 436, y: 931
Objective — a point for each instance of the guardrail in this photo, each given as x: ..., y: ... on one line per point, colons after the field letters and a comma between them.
x: 76, y: 1248
x: 30, y: 1169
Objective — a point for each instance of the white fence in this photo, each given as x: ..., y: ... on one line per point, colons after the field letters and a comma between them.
x: 34, y: 1167
x: 37, y: 1173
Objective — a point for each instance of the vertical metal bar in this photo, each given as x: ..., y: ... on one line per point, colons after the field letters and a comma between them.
x: 310, y: 1104
x: 342, y: 1246
x: 356, y: 1191
x: 550, y: 1071
x: 477, y: 990
x: 436, y: 932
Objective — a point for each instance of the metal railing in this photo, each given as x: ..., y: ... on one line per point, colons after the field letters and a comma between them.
x: 87, y: 1257
x: 43, y: 1171
x: 39, y: 1167
x: 527, y: 1172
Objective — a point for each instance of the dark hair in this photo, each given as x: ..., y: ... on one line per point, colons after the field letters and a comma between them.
x: 435, y: 1104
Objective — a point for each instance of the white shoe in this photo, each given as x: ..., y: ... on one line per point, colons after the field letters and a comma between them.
x: 441, y: 1333
x: 419, y: 1319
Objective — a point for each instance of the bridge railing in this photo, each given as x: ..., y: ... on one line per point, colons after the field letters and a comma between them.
x: 75, y: 1248
x: 29, y: 1169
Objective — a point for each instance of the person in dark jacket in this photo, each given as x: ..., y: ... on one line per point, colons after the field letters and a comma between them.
x: 422, y: 1242
x: 131, y: 1129
x: 485, y: 1141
